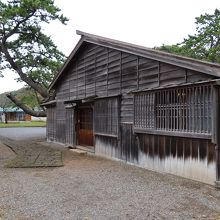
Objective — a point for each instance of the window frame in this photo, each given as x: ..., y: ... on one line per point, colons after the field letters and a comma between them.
x: 97, y: 131
x: 155, y: 129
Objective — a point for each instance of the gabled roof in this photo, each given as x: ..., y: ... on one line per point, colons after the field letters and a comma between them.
x: 185, y: 62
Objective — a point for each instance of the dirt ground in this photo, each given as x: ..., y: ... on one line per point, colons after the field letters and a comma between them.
x: 32, y: 153
x: 89, y: 187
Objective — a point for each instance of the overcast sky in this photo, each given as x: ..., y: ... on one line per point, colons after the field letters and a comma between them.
x: 143, y: 22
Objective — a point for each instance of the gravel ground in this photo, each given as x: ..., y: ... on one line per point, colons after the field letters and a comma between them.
x: 88, y: 187
x: 32, y: 154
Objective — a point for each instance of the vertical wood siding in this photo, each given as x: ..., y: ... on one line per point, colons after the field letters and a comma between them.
x: 186, y: 109
x: 51, y: 128
x: 107, y: 147
x: 106, y: 116
x: 216, y: 128
x: 187, y: 157
x: 129, y: 144
x: 124, y: 147
x: 105, y: 72
x: 100, y: 71
x: 70, y: 127
x: 60, y: 122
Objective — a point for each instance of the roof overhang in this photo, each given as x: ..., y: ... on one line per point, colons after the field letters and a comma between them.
x: 215, y: 82
x: 50, y: 103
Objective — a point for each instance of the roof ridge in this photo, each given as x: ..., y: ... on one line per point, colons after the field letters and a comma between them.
x: 205, y: 67
x: 78, y: 32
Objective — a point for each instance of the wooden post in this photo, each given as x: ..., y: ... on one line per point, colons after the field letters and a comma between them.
x: 138, y: 72
x: 120, y: 72
x: 84, y: 64
x: 159, y: 73
x: 216, y: 130
x: 217, y: 183
x: 107, y: 77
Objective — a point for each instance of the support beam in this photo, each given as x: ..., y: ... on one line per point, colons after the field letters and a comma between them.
x: 217, y: 183
x: 159, y: 73
x: 216, y: 131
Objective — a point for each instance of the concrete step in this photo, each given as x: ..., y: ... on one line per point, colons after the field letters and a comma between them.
x: 78, y: 151
x: 87, y: 149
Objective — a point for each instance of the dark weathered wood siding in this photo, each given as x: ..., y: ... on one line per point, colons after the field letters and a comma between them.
x: 51, y: 126
x: 60, y: 122
x: 98, y: 71
x: 105, y: 72
x: 106, y: 116
x: 70, y: 126
x: 188, y: 157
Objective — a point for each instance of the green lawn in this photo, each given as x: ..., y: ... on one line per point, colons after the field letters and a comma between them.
x: 23, y: 124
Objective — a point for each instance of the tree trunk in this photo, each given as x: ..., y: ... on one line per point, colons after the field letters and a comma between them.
x: 5, y: 117
x: 41, y: 90
x: 25, y: 108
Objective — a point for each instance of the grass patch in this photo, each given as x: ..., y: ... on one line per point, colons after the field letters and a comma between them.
x: 23, y: 124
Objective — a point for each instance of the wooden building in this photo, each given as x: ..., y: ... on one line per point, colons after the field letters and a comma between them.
x: 153, y: 109
x: 13, y: 114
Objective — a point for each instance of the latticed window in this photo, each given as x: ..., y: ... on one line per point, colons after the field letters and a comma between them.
x: 106, y: 116
x: 144, y: 116
x: 177, y: 109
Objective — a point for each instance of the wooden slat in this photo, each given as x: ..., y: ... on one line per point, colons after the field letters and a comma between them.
x: 106, y: 116
x: 176, y: 110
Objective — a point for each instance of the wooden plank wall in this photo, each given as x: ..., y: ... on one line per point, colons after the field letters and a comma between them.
x: 60, y: 122
x: 105, y: 72
x: 70, y: 127
x: 216, y: 128
x: 107, y: 147
x: 106, y: 116
x: 121, y: 148
x: 129, y: 144
x: 188, y: 157
x: 51, y: 128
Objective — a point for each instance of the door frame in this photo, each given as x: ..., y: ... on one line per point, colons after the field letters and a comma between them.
x: 84, y: 106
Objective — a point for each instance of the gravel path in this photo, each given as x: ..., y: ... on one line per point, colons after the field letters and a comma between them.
x: 88, y: 187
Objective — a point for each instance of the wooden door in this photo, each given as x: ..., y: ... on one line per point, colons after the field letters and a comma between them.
x: 85, y: 126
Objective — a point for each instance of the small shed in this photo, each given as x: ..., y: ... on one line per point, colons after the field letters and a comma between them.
x: 149, y: 108
x: 13, y: 114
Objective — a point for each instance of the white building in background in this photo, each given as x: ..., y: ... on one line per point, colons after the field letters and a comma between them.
x: 33, y: 118
x: 17, y: 114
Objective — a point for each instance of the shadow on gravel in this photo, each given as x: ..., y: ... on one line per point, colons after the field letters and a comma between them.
x: 32, y: 154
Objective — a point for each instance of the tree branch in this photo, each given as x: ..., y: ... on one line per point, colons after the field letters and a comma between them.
x: 13, y: 31
x: 217, y: 42
x: 38, y: 100
x: 25, y: 108
x: 23, y: 76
